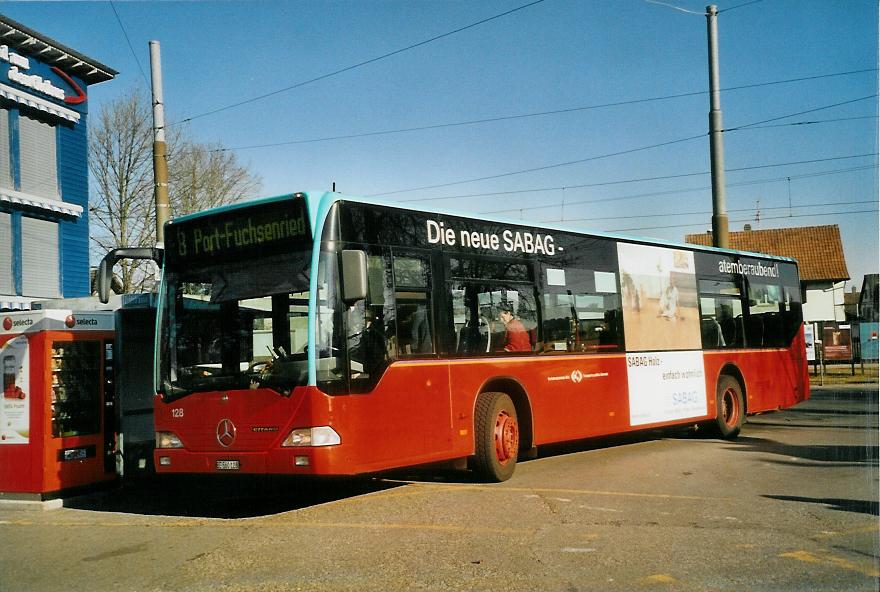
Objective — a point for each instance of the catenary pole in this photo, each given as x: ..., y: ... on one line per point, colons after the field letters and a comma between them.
x: 716, y: 140
x: 160, y: 160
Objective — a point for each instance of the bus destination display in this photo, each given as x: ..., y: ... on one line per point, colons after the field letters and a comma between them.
x: 275, y: 227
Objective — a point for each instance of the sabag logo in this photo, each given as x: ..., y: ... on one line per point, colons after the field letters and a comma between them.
x: 576, y: 376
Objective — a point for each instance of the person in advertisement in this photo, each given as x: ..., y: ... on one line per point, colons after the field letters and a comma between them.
x: 516, y: 338
x: 668, y: 308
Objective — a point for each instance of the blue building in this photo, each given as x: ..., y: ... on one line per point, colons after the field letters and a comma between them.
x: 44, y: 189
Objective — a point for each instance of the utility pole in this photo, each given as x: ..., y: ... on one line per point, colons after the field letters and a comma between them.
x: 160, y: 160
x: 716, y: 141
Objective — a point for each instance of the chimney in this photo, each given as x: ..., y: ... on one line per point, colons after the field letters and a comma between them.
x: 747, y: 227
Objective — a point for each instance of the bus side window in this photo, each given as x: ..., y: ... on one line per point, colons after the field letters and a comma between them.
x: 414, y: 326
x: 721, y: 314
x: 412, y: 296
x: 581, y: 311
x: 371, y: 326
x: 774, y: 315
x: 479, y: 319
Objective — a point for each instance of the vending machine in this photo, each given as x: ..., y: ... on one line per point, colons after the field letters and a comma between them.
x: 57, y: 412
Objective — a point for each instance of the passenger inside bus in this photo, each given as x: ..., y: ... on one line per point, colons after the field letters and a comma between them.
x: 516, y: 338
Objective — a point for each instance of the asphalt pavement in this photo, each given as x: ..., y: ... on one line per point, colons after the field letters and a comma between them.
x: 792, y: 504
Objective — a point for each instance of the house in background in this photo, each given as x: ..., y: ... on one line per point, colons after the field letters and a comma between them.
x: 821, y: 262
x: 44, y: 189
x: 851, y: 304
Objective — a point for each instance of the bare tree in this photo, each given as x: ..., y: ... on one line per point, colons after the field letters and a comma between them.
x: 121, y: 164
x: 206, y: 176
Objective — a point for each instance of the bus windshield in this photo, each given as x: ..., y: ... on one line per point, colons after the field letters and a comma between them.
x: 235, y: 325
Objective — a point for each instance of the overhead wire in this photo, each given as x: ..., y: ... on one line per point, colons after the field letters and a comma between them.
x: 795, y: 123
x: 357, y: 65
x: 128, y: 40
x: 637, y: 180
x: 674, y: 7
x: 757, y: 123
x: 743, y: 220
x: 545, y: 167
x: 604, y: 156
x: 642, y: 216
x: 536, y: 114
x: 739, y: 6
x: 670, y: 191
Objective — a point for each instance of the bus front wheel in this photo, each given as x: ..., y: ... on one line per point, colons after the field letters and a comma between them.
x: 730, y: 407
x: 497, y: 437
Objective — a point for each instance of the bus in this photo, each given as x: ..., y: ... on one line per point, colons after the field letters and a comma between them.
x: 318, y: 334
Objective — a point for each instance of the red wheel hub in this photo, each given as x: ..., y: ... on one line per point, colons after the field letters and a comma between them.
x: 730, y: 407
x: 506, y: 437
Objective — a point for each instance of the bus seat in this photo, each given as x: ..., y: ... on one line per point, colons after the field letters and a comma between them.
x: 755, y: 331
x: 711, y: 332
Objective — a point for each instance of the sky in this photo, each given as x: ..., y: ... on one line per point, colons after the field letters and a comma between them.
x: 592, y: 114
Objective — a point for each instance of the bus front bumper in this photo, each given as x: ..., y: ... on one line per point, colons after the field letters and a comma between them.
x: 283, y: 461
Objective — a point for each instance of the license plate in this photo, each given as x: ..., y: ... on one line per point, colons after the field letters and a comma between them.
x: 228, y: 465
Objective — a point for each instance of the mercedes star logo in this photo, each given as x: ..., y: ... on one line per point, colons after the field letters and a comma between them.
x: 226, y: 433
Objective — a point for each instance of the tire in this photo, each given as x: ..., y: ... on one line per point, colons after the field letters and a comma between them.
x: 730, y: 407
x: 497, y: 437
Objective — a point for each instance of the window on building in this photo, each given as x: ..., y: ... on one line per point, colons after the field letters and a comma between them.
x: 38, y: 158
x: 6, y: 283
x: 40, y: 260
x: 5, y: 162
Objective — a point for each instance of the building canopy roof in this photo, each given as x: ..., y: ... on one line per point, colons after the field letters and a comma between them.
x: 45, y: 49
x: 817, y: 249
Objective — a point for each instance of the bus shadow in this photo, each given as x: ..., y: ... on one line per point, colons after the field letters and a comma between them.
x: 209, y: 496
x: 443, y: 473
x: 817, y: 453
x: 842, y: 505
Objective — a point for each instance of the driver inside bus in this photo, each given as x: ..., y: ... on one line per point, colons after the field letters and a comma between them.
x: 370, y: 350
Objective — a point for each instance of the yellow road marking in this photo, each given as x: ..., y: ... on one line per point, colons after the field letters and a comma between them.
x: 659, y: 579
x: 837, y: 533
x: 404, y: 526
x: 200, y: 523
x: 548, y: 490
x: 831, y: 560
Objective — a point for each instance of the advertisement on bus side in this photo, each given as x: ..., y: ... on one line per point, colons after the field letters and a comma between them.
x: 659, y: 291
x: 665, y: 386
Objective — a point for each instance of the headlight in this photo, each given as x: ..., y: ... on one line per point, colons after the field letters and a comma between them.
x: 320, y: 436
x: 167, y: 440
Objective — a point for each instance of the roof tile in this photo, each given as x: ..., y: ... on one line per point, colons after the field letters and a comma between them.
x: 817, y: 249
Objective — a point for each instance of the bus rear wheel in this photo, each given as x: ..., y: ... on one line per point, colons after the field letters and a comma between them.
x: 497, y: 437
x: 730, y: 407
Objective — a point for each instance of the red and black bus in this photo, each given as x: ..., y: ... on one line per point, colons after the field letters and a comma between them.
x: 318, y: 334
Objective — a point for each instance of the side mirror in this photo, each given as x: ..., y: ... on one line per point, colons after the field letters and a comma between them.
x: 105, y: 273
x: 105, y: 269
x: 354, y: 276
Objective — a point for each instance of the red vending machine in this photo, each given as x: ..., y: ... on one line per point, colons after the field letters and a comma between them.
x: 57, y: 416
